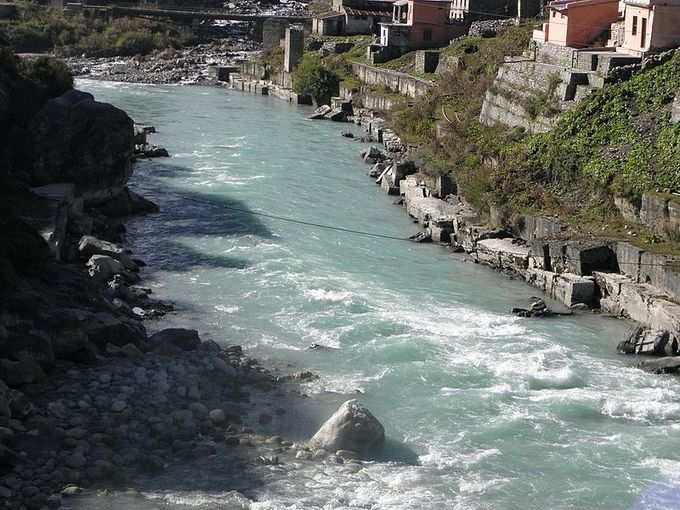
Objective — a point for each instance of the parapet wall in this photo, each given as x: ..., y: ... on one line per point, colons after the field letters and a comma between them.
x: 401, y: 83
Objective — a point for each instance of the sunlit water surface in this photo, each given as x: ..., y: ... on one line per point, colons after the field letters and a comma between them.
x: 501, y: 412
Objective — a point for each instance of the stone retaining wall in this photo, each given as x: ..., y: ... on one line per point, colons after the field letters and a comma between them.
x: 402, y: 83
x: 614, y: 276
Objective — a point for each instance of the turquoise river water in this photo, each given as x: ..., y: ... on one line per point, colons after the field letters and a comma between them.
x: 500, y: 412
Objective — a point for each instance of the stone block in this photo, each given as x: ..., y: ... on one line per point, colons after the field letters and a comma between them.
x: 538, y: 227
x: 675, y: 112
x: 579, y: 257
x: 441, y: 230
x: 654, y: 210
x: 503, y: 254
x: 569, y: 289
x: 628, y: 209
x: 628, y: 258
x: 641, y: 302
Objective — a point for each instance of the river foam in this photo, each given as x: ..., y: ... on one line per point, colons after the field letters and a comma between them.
x: 483, y: 410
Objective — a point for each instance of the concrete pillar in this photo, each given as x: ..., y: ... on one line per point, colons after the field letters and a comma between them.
x: 273, y: 30
x: 294, y: 48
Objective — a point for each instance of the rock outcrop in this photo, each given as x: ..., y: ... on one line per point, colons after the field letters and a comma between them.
x: 74, y: 138
x: 352, y: 427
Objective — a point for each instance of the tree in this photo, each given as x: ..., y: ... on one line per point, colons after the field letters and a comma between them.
x: 52, y: 73
x: 312, y: 78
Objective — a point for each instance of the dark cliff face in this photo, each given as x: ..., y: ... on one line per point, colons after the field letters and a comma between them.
x: 77, y: 139
x: 70, y: 138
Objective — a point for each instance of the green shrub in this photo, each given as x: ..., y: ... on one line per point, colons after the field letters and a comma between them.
x: 312, y: 78
x: 49, y: 72
x: 134, y: 43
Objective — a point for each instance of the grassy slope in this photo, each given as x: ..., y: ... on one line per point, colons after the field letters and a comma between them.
x: 619, y: 141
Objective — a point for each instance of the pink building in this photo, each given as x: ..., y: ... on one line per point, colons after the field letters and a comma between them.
x: 578, y: 23
x: 651, y: 25
x: 419, y: 24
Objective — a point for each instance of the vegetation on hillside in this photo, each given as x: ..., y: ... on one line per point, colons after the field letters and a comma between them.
x: 313, y: 78
x: 455, y: 102
x: 50, y: 74
x: 619, y: 140
x: 40, y: 29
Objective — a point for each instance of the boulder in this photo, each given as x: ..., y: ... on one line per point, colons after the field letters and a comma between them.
x: 16, y: 373
x: 77, y: 139
x: 373, y: 155
x: 103, y: 268
x: 90, y: 245
x: 127, y: 203
x: 664, y: 365
x: 675, y: 111
x: 320, y: 112
x: 103, y: 328
x: 643, y: 340
x: 4, y: 400
x: 184, y: 339
x: 217, y: 417
x: 33, y: 344
x: 352, y: 427
x: 154, y: 151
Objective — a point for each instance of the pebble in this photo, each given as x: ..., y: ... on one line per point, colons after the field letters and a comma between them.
x: 118, y: 405
x: 76, y: 461
x: 217, y: 416
x: 71, y: 490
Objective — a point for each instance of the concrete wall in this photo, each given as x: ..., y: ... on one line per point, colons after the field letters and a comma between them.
x: 398, y: 82
x: 376, y: 101
x: 293, y: 49
x: 661, y: 213
x: 253, y: 70
x: 514, y: 87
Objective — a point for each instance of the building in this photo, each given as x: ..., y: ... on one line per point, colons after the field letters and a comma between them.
x: 419, y: 24
x: 353, y: 17
x: 651, y: 25
x: 632, y: 27
x: 579, y: 23
x: 475, y: 10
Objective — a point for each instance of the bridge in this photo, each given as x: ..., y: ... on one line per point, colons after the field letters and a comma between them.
x: 179, y: 14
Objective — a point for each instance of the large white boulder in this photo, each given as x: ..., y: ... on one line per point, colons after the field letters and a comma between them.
x: 352, y: 427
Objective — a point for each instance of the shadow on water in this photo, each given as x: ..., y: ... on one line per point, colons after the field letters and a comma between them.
x: 397, y: 452
x: 169, y: 239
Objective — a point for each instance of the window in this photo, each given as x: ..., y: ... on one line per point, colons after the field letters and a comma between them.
x: 554, y: 14
x: 634, y: 25
x: 643, y: 33
x: 427, y: 34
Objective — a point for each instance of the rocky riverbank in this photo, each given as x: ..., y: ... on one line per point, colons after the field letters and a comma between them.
x: 88, y: 397
x: 192, y: 65
x: 609, y: 276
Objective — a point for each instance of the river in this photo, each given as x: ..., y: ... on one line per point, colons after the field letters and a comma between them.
x: 498, y: 412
